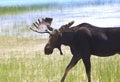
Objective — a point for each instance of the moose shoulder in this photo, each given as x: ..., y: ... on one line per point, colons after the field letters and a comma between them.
x: 100, y: 41
x: 84, y: 40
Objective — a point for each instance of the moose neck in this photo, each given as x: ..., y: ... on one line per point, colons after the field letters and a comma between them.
x: 67, y: 38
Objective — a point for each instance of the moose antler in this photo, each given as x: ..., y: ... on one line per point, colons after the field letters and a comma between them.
x: 66, y: 26
x: 43, y: 26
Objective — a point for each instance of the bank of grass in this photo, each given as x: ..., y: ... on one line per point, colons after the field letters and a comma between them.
x: 11, y: 10
x: 26, y: 62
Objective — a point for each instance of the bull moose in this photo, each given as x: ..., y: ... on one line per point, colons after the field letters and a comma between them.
x: 84, y: 40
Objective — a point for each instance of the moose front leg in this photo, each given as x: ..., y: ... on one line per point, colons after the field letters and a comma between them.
x: 86, y: 61
x: 72, y: 63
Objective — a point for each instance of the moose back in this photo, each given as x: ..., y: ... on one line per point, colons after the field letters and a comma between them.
x: 84, y: 40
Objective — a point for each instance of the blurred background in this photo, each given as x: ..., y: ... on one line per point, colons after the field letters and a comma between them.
x: 22, y: 57
x: 17, y: 16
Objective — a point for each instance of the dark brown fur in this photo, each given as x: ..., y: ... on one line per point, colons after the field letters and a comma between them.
x: 85, y: 40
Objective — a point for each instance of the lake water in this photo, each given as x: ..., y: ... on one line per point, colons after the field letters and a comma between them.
x: 102, y: 15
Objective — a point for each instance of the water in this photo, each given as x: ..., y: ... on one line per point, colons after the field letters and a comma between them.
x: 102, y: 15
x: 81, y: 2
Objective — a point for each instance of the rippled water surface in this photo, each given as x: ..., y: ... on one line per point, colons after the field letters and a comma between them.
x: 103, y: 15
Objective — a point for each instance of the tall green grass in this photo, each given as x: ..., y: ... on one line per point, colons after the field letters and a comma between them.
x: 6, y: 10
x: 25, y: 62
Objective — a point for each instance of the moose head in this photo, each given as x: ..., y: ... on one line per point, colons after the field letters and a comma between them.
x: 55, y: 35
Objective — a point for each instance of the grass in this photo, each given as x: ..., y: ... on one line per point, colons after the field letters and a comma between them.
x: 7, y: 10
x: 22, y: 60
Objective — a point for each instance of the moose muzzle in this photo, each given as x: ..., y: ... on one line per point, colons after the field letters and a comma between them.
x: 48, y: 49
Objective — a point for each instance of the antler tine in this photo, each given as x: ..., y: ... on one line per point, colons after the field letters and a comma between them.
x: 46, y: 31
x: 39, y: 21
x: 69, y: 24
x: 43, y: 26
x: 35, y: 25
x: 50, y: 28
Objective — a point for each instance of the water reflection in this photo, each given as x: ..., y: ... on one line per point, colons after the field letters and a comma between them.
x: 104, y: 15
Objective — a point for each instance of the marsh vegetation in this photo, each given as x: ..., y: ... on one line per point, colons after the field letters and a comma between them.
x: 22, y: 59
x: 21, y: 52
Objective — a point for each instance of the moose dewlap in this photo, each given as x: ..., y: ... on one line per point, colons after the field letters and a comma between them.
x: 83, y: 40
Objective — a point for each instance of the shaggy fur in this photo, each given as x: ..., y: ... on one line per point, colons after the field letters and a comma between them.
x: 85, y: 40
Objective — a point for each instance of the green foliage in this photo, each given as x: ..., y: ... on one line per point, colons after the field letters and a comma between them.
x: 26, y: 62
x: 6, y: 10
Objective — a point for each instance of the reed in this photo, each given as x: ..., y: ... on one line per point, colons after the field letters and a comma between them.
x: 25, y: 61
x: 11, y: 10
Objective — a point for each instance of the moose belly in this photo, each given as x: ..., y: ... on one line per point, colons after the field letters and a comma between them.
x: 105, y: 50
x: 105, y: 47
x: 104, y: 54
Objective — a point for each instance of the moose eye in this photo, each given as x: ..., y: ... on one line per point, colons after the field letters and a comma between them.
x: 51, y: 36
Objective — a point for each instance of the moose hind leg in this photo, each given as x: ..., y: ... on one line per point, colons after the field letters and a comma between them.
x: 72, y: 63
x: 87, y: 64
